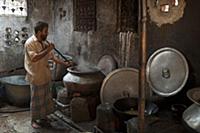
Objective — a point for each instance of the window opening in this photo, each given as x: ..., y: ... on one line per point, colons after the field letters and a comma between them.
x: 13, y: 7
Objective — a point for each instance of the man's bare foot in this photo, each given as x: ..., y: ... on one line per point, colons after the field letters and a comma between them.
x: 35, y: 125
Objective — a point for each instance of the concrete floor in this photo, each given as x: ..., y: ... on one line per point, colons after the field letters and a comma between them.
x: 20, y: 123
x: 163, y: 122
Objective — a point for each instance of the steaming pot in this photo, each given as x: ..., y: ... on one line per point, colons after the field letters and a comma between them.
x: 83, y: 81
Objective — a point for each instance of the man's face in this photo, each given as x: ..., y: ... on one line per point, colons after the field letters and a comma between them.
x: 44, y: 34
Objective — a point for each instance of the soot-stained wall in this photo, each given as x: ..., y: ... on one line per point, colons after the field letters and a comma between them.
x: 94, y: 44
x: 59, y: 15
x: 182, y: 35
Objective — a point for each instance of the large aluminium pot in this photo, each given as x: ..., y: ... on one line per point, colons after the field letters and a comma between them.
x: 83, y: 81
x: 191, y: 116
x: 17, y: 89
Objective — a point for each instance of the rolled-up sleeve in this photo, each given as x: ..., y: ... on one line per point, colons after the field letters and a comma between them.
x: 31, y: 50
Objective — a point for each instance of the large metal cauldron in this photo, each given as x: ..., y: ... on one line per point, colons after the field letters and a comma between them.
x: 86, y: 81
x: 17, y: 89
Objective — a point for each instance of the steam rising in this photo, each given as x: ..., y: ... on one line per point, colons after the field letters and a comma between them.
x: 83, y: 65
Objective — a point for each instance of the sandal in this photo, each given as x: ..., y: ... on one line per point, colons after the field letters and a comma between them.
x: 35, y: 125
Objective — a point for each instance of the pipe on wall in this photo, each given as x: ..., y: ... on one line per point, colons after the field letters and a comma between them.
x: 142, y: 63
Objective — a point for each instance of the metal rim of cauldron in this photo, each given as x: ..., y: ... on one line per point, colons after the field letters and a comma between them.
x: 4, y: 80
x: 128, y: 102
x: 94, y: 70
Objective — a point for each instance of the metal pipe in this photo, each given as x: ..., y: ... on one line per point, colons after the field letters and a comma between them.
x: 142, y: 62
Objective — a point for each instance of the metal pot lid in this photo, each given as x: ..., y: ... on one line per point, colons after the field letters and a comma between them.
x: 120, y: 83
x: 194, y: 95
x: 167, y: 71
x: 107, y: 64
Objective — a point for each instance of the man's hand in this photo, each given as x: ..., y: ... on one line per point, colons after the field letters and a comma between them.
x: 50, y: 47
x: 69, y: 63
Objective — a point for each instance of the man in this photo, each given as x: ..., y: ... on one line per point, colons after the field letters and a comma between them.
x: 37, y: 54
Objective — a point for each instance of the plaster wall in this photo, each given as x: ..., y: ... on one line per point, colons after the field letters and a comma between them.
x: 93, y: 44
x: 12, y: 57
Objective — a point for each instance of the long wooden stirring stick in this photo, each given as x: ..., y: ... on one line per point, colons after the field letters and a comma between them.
x: 59, y: 52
